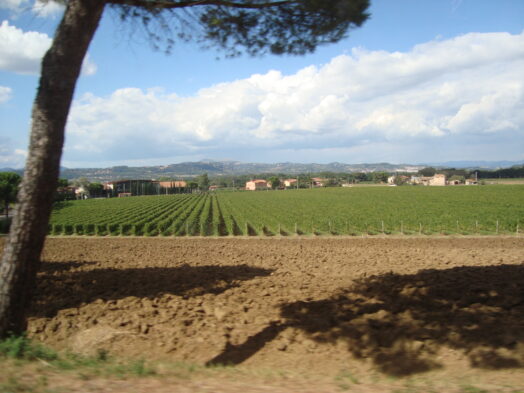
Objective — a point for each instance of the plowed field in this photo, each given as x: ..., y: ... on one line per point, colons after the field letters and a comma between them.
x: 368, y: 308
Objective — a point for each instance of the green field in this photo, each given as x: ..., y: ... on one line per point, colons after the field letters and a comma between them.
x: 330, y: 211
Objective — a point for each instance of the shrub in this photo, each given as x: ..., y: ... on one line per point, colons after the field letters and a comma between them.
x: 150, y: 229
x: 137, y: 230
x: 113, y: 229
x: 125, y: 229
x: 89, y: 229
x: 79, y: 229
x: 101, y: 229
x: 57, y: 229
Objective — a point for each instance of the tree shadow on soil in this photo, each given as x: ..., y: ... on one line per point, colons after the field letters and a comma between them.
x: 66, y: 287
x: 52, y: 267
x: 401, y: 322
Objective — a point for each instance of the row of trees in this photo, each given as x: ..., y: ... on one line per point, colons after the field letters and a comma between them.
x: 331, y: 179
x: 9, y: 182
x: 516, y: 171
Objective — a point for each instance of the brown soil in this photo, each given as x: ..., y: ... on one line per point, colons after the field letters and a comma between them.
x: 359, y: 312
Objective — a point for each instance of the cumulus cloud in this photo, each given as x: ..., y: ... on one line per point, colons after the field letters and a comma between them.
x: 45, y: 9
x: 11, y: 157
x: 458, y: 91
x: 21, y: 52
x: 41, y: 8
x: 5, y: 94
x: 13, y: 5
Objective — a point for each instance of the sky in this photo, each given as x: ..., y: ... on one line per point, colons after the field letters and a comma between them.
x: 421, y: 81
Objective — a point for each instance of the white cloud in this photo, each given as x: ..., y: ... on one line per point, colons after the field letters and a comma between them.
x: 5, y: 94
x: 456, y: 91
x: 11, y: 157
x: 13, y: 5
x: 88, y: 67
x: 41, y: 8
x: 49, y: 8
x: 21, y: 52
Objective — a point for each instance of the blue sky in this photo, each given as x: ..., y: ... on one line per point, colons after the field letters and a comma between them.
x: 421, y: 81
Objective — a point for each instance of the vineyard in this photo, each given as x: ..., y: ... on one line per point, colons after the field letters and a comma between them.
x: 332, y: 211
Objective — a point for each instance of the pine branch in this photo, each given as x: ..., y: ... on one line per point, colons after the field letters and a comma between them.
x: 159, y: 4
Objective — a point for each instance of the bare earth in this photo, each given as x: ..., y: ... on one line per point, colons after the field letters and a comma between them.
x: 293, y: 314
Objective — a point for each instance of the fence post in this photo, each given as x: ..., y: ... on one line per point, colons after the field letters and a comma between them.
x: 497, y: 227
x: 477, y: 226
x: 382, y: 226
x: 517, y: 232
x: 420, y: 228
x: 401, y: 228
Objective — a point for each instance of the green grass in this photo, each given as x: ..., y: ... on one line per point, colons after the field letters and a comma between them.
x: 30, y: 367
x: 22, y: 349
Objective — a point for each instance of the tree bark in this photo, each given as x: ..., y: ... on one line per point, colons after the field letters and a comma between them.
x: 61, y: 67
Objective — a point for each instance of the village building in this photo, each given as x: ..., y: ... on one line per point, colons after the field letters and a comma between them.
x: 439, y: 179
x: 318, y: 182
x: 144, y: 187
x: 173, y: 184
x: 290, y: 183
x: 258, y: 184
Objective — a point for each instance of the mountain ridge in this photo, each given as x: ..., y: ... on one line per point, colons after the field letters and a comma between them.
x: 236, y: 168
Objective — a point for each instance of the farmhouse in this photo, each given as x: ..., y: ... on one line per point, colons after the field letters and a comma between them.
x: 290, y: 183
x: 399, y: 179
x: 258, y: 184
x: 173, y: 184
x: 318, y: 182
x: 135, y: 187
x: 439, y: 179
x: 144, y: 187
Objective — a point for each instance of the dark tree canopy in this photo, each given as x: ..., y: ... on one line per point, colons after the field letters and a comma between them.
x: 253, y: 26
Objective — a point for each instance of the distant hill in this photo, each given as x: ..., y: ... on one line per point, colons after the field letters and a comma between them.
x: 475, y: 164
x: 218, y: 168
x: 222, y: 168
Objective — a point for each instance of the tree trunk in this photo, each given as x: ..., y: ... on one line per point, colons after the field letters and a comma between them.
x: 61, y: 67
